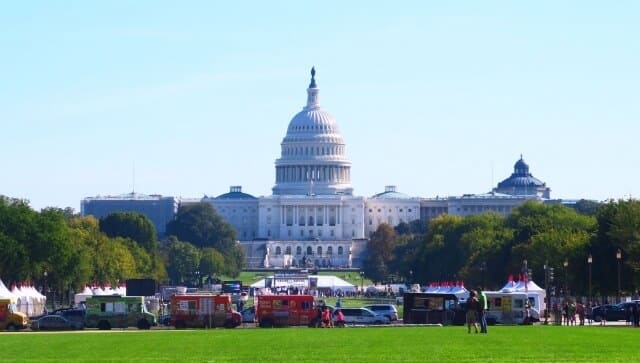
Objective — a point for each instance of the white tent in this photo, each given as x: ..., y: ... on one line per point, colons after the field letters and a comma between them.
x: 23, y: 302
x: 4, y: 292
x: 39, y: 300
x: 455, y: 289
x: 323, y: 282
x: 532, y: 290
x: 531, y: 286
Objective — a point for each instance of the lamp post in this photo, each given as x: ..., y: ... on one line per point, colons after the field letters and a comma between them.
x: 590, y: 262
x: 565, y: 264
x: 362, y: 282
x: 618, y: 257
x: 45, y: 286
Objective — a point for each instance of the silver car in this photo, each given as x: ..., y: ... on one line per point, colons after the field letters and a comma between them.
x: 361, y: 316
x: 388, y: 310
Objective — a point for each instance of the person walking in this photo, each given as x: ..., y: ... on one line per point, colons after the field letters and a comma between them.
x: 482, y: 311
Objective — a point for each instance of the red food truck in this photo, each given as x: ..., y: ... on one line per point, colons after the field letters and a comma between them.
x: 285, y: 310
x: 203, y: 311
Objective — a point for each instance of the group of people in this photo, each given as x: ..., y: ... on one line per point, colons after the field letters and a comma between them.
x: 570, y: 310
x: 325, y: 320
x: 476, y: 308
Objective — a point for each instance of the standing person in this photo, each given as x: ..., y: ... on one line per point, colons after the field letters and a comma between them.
x: 482, y: 311
x: 472, y: 311
x: 580, y: 311
x: 339, y: 318
x: 326, y: 318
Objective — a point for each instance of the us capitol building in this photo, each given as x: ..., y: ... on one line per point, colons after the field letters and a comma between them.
x: 313, y: 218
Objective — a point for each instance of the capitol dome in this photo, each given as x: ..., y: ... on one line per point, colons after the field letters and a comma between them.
x: 312, y: 159
x: 522, y: 182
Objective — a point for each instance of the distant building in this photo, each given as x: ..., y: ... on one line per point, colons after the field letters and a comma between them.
x: 471, y: 204
x: 239, y: 209
x: 521, y: 182
x: 160, y: 210
x: 390, y: 207
x: 520, y: 187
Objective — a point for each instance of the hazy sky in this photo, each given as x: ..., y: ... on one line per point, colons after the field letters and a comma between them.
x: 438, y: 98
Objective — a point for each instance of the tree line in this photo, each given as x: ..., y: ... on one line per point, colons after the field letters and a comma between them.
x: 485, y: 249
x: 64, y: 251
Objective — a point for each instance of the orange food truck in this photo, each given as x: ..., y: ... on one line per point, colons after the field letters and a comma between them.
x: 285, y: 310
x: 203, y: 311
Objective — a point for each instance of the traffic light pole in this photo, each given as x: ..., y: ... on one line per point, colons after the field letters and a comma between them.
x: 548, y: 278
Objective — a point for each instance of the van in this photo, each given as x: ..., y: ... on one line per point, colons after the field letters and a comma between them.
x: 388, y: 310
x: 361, y: 316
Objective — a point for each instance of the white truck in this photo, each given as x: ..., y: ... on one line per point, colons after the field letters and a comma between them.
x: 507, y: 307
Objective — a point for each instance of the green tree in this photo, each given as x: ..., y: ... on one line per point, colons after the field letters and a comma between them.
x: 618, y: 227
x: 182, y: 260
x: 200, y: 225
x: 380, y: 253
x: 131, y: 225
x: 211, y: 262
x: 549, y: 234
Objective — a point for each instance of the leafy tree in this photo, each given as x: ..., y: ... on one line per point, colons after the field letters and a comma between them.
x: 380, y: 253
x: 131, y: 225
x: 483, y: 241
x: 211, y: 262
x: 182, y: 260
x: 618, y: 228
x: 200, y: 225
x: 549, y: 234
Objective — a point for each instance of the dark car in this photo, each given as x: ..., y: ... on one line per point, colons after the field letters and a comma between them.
x: 56, y: 322
x: 165, y: 320
x: 249, y: 315
x: 74, y: 315
x: 612, y: 312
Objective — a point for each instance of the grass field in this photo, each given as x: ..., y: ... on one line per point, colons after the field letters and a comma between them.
x: 388, y: 344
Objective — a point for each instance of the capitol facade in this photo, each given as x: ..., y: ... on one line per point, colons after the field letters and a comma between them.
x: 313, y: 218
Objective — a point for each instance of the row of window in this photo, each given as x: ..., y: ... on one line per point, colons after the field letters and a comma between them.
x: 311, y: 233
x: 409, y: 210
x: 337, y: 150
x: 309, y: 250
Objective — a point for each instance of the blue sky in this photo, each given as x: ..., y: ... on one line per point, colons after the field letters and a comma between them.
x: 438, y: 98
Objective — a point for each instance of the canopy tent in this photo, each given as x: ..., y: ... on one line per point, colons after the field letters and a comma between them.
x: 4, y: 292
x: 456, y: 289
x: 333, y: 283
x: 82, y: 296
x: 28, y: 300
x: 512, y: 286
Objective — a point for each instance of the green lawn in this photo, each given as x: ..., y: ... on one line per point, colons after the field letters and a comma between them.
x: 390, y: 344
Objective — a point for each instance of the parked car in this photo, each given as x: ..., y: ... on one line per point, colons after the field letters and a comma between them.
x: 612, y: 312
x: 164, y: 319
x: 74, y: 315
x: 248, y: 314
x: 388, y: 310
x: 56, y: 322
x: 361, y: 316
